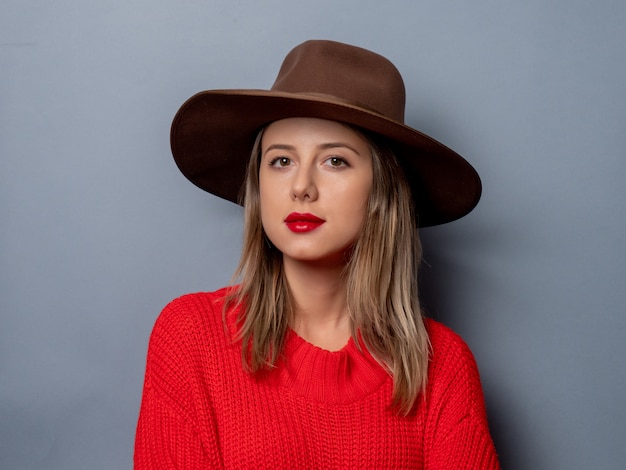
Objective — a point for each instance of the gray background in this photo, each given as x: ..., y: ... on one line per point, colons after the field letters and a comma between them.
x: 98, y: 230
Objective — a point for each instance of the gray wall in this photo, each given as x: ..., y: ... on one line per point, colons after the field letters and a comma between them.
x: 98, y: 230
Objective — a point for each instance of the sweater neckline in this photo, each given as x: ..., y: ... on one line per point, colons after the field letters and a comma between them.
x: 330, y: 377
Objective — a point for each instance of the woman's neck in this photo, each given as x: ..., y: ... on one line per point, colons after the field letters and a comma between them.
x: 319, y: 294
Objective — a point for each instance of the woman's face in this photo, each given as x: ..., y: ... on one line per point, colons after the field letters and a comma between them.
x: 315, y: 178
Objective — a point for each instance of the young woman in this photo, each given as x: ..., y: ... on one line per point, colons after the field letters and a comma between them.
x: 320, y: 356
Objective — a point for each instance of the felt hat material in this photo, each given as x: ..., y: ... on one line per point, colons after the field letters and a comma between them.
x: 213, y: 132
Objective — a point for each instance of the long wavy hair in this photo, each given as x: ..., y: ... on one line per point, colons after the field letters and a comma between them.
x: 381, y: 282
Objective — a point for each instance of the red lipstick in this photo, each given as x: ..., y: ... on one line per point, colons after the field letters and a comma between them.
x: 301, y: 223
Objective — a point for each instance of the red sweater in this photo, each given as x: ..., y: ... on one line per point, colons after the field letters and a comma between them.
x: 317, y: 409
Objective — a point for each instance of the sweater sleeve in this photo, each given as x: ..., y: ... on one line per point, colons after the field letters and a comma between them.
x: 458, y: 431
x: 168, y: 434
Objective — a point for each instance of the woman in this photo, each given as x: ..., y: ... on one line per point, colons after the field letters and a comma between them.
x: 320, y: 357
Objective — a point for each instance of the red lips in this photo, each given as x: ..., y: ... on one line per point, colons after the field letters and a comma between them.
x: 301, y: 223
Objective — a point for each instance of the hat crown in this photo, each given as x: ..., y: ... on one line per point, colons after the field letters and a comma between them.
x: 347, y: 73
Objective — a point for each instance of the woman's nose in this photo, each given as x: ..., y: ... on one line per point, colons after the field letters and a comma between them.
x: 303, y: 184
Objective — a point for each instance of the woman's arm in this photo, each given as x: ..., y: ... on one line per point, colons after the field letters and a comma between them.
x: 166, y: 439
x: 457, y: 430
x: 168, y: 435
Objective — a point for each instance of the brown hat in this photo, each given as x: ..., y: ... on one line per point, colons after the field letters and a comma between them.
x: 214, y: 131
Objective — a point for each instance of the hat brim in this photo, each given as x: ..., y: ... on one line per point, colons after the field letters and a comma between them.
x: 213, y: 134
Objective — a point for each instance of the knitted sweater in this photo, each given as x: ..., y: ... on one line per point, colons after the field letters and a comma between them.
x: 317, y: 410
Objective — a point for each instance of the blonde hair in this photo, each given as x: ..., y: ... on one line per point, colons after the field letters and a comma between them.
x: 381, y: 280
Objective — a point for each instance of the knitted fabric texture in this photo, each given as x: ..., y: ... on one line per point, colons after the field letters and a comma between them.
x: 316, y: 410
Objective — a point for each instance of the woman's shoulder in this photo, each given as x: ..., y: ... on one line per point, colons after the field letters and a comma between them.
x: 442, y: 336
x: 193, y: 313
x: 188, y: 339
x: 450, y: 354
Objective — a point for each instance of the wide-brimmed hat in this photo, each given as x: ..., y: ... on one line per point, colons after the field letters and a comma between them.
x: 214, y: 131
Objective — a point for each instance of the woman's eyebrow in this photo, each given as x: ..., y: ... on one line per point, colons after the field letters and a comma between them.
x: 332, y: 145
x: 279, y: 147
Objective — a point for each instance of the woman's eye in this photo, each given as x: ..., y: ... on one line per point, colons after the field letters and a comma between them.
x: 336, y: 162
x: 280, y: 162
